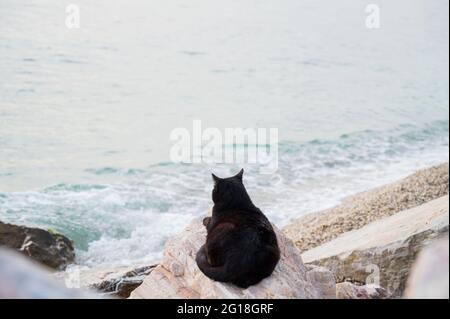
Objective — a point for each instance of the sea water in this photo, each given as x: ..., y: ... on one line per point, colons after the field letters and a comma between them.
x: 86, y: 113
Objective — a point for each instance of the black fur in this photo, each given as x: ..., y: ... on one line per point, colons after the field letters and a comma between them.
x: 241, y: 246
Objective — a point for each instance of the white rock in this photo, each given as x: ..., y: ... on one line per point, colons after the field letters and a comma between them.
x: 383, y: 252
x: 323, y: 280
x: 430, y: 273
x: 22, y: 278
x: 178, y: 276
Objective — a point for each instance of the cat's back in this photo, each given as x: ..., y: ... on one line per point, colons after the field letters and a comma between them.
x: 252, y: 226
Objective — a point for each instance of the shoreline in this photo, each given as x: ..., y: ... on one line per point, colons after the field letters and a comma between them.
x: 356, y: 211
x: 307, y: 232
x: 365, y: 248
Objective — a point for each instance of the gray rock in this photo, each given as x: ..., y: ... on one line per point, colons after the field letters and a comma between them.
x: 323, y: 280
x: 112, y: 282
x: 123, y: 284
x: 52, y: 250
x: 383, y: 252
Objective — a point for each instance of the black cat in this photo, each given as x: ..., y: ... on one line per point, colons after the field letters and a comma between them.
x: 241, y: 246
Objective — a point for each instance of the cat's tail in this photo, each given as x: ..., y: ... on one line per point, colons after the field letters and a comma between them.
x: 219, y: 273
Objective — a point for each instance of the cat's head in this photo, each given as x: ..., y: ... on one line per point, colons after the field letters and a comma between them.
x: 229, y: 191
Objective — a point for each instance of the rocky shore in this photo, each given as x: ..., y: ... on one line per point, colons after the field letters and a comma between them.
x: 359, y: 210
x: 46, y: 247
x: 384, y: 251
x: 365, y: 248
x: 390, y: 242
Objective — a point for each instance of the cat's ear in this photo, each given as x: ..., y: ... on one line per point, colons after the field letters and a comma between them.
x: 240, y: 175
x: 215, y: 178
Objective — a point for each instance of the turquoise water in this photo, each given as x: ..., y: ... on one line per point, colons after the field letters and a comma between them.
x: 86, y: 114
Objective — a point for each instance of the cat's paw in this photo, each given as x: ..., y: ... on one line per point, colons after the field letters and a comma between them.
x: 206, y: 221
